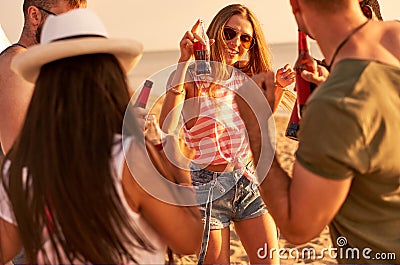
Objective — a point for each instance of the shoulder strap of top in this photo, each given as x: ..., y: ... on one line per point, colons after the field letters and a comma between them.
x: 11, y: 46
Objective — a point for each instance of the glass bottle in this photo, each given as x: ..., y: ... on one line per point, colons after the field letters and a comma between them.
x: 294, y: 124
x: 202, y: 53
x: 144, y: 95
x: 303, y: 88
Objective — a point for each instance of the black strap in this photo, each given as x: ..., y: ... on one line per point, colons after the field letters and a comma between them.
x: 11, y: 46
x: 18, y: 44
x: 340, y: 46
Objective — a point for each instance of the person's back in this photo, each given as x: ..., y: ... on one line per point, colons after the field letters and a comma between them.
x: 15, y: 95
x: 15, y: 92
x: 364, y: 95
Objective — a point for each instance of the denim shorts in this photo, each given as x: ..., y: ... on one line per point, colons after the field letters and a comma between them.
x: 235, y: 198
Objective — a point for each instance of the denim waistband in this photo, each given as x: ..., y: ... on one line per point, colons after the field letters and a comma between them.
x: 236, y: 174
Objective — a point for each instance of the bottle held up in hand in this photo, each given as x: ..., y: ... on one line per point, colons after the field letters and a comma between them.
x: 303, y: 88
x: 144, y: 95
x: 202, y: 54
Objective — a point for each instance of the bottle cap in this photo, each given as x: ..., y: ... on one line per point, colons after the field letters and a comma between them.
x: 148, y: 83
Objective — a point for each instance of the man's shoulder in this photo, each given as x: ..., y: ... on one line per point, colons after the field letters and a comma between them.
x: 381, y: 43
x: 8, y: 78
x: 390, y: 27
x: 391, y: 33
x: 391, y: 24
x: 5, y: 62
x: 8, y: 54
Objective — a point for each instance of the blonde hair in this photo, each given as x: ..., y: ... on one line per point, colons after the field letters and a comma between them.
x: 259, y: 57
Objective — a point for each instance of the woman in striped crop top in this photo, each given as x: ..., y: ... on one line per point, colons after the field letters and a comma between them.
x: 213, y: 128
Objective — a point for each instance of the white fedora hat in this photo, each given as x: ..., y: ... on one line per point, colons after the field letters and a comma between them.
x: 74, y: 33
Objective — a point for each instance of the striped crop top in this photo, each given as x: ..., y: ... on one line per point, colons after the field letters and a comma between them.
x: 219, y: 134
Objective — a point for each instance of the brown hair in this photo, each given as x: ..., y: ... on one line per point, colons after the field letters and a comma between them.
x: 328, y: 6
x: 259, y: 56
x: 48, y: 4
x: 65, y: 147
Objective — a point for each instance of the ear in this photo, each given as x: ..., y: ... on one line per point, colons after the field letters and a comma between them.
x: 367, y: 11
x: 295, y: 6
x: 34, y: 15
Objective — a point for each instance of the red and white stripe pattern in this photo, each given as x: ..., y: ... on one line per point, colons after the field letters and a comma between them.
x: 219, y: 134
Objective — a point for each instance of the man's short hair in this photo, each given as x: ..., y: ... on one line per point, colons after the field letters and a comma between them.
x: 47, y: 4
x: 328, y: 6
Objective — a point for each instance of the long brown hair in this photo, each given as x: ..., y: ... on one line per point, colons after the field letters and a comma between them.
x: 259, y: 58
x: 64, y: 149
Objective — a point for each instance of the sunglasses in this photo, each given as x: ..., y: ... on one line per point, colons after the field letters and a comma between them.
x: 246, y: 40
x: 46, y: 11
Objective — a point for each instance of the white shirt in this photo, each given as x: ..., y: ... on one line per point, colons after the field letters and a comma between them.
x: 144, y: 229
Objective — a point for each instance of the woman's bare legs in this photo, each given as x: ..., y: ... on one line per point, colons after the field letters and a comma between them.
x: 218, y: 251
x: 255, y: 234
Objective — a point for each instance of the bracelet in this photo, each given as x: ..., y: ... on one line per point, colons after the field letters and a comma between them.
x: 176, y: 91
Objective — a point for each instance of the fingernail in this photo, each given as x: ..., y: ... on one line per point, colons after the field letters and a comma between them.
x: 282, y: 76
x: 284, y: 70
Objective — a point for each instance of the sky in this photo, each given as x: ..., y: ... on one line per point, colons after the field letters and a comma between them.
x: 160, y: 24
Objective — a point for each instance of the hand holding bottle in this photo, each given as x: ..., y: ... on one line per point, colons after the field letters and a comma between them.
x: 153, y: 131
x: 186, y: 44
x: 140, y: 114
x: 316, y: 77
x: 303, y: 87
